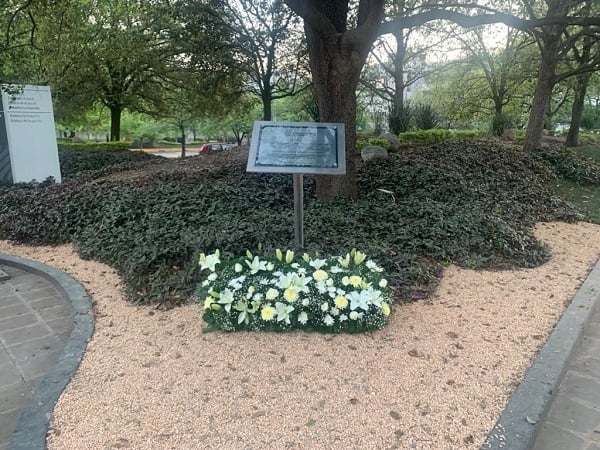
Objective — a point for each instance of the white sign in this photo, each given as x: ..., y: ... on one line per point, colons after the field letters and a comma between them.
x: 297, y: 147
x: 28, y: 150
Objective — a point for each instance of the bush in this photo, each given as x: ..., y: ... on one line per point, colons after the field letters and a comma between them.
x: 466, y: 202
x: 98, y: 146
x: 362, y: 143
x: 568, y: 164
x: 425, y: 117
x: 76, y: 162
x: 435, y: 136
x: 400, y: 118
x: 500, y: 123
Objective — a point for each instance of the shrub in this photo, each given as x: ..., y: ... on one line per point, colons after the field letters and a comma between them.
x: 570, y: 165
x: 400, y: 118
x: 500, y: 123
x: 76, y: 162
x: 101, y: 146
x: 362, y: 143
x: 435, y: 136
x: 425, y: 117
x: 466, y: 202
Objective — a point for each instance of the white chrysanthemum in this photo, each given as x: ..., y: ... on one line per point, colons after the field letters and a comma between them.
x: 328, y: 320
x: 305, y: 302
x: 324, y: 306
x: 303, y: 318
x: 383, y: 283
x: 272, y: 294
x: 354, y: 315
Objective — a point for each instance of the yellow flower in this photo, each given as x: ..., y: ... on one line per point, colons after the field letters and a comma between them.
x: 290, y: 294
x: 355, y: 280
x: 341, y: 302
x: 267, y: 313
x: 385, y: 309
x: 320, y: 275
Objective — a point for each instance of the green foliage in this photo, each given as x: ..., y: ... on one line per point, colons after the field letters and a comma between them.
x: 102, y: 160
x: 425, y: 117
x: 362, y: 143
x: 433, y: 136
x: 400, y: 118
x: 466, y: 202
x: 571, y: 165
x: 66, y: 144
x: 500, y: 123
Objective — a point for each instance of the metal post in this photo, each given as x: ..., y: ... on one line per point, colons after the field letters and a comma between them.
x: 299, y: 210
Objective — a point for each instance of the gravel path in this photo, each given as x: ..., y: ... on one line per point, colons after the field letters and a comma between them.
x: 437, y: 377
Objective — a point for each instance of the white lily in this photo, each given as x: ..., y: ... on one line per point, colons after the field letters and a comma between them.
x: 256, y: 265
x: 283, y: 312
x: 226, y: 299
x: 317, y: 263
x: 359, y: 300
x: 209, y: 261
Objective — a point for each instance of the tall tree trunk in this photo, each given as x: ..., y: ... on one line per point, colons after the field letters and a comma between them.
x: 543, y: 92
x: 267, y: 101
x: 582, y: 81
x: 182, y: 129
x: 335, y: 78
x: 115, y: 123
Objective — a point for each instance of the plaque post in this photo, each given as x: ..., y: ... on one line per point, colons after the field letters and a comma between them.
x: 299, y: 210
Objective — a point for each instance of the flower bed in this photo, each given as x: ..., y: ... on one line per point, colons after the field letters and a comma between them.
x: 338, y: 294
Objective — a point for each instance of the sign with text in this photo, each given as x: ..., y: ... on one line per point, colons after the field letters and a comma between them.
x: 28, y: 150
x: 297, y: 147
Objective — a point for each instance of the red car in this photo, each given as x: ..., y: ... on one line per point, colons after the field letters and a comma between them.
x: 212, y: 147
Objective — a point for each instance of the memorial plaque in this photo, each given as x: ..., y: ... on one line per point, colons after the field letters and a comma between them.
x: 297, y: 147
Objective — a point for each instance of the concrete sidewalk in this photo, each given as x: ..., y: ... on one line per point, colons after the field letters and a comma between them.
x: 573, y: 421
x: 557, y: 405
x: 45, y: 323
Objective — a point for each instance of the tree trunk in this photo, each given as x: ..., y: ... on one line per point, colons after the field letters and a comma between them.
x: 336, y: 71
x: 182, y: 142
x: 115, y: 123
x: 267, y: 102
x: 582, y: 82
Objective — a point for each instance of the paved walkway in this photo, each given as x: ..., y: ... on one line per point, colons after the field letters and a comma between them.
x: 35, y: 323
x: 573, y: 421
x: 45, y: 323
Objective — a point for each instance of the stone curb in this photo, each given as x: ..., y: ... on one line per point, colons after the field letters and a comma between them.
x: 517, y: 427
x: 32, y: 428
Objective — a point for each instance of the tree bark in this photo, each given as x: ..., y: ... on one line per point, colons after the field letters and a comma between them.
x: 336, y: 61
x: 182, y: 142
x: 115, y: 123
x: 267, y: 105
x: 582, y: 82
x: 543, y: 89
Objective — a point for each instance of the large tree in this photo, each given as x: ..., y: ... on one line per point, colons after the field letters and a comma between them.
x: 339, y: 37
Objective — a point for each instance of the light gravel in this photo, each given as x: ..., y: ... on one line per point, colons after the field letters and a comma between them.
x: 437, y: 377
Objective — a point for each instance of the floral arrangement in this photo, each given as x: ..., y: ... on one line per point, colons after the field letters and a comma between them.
x: 284, y: 292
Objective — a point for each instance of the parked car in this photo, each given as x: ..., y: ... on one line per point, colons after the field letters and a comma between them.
x: 214, y: 147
